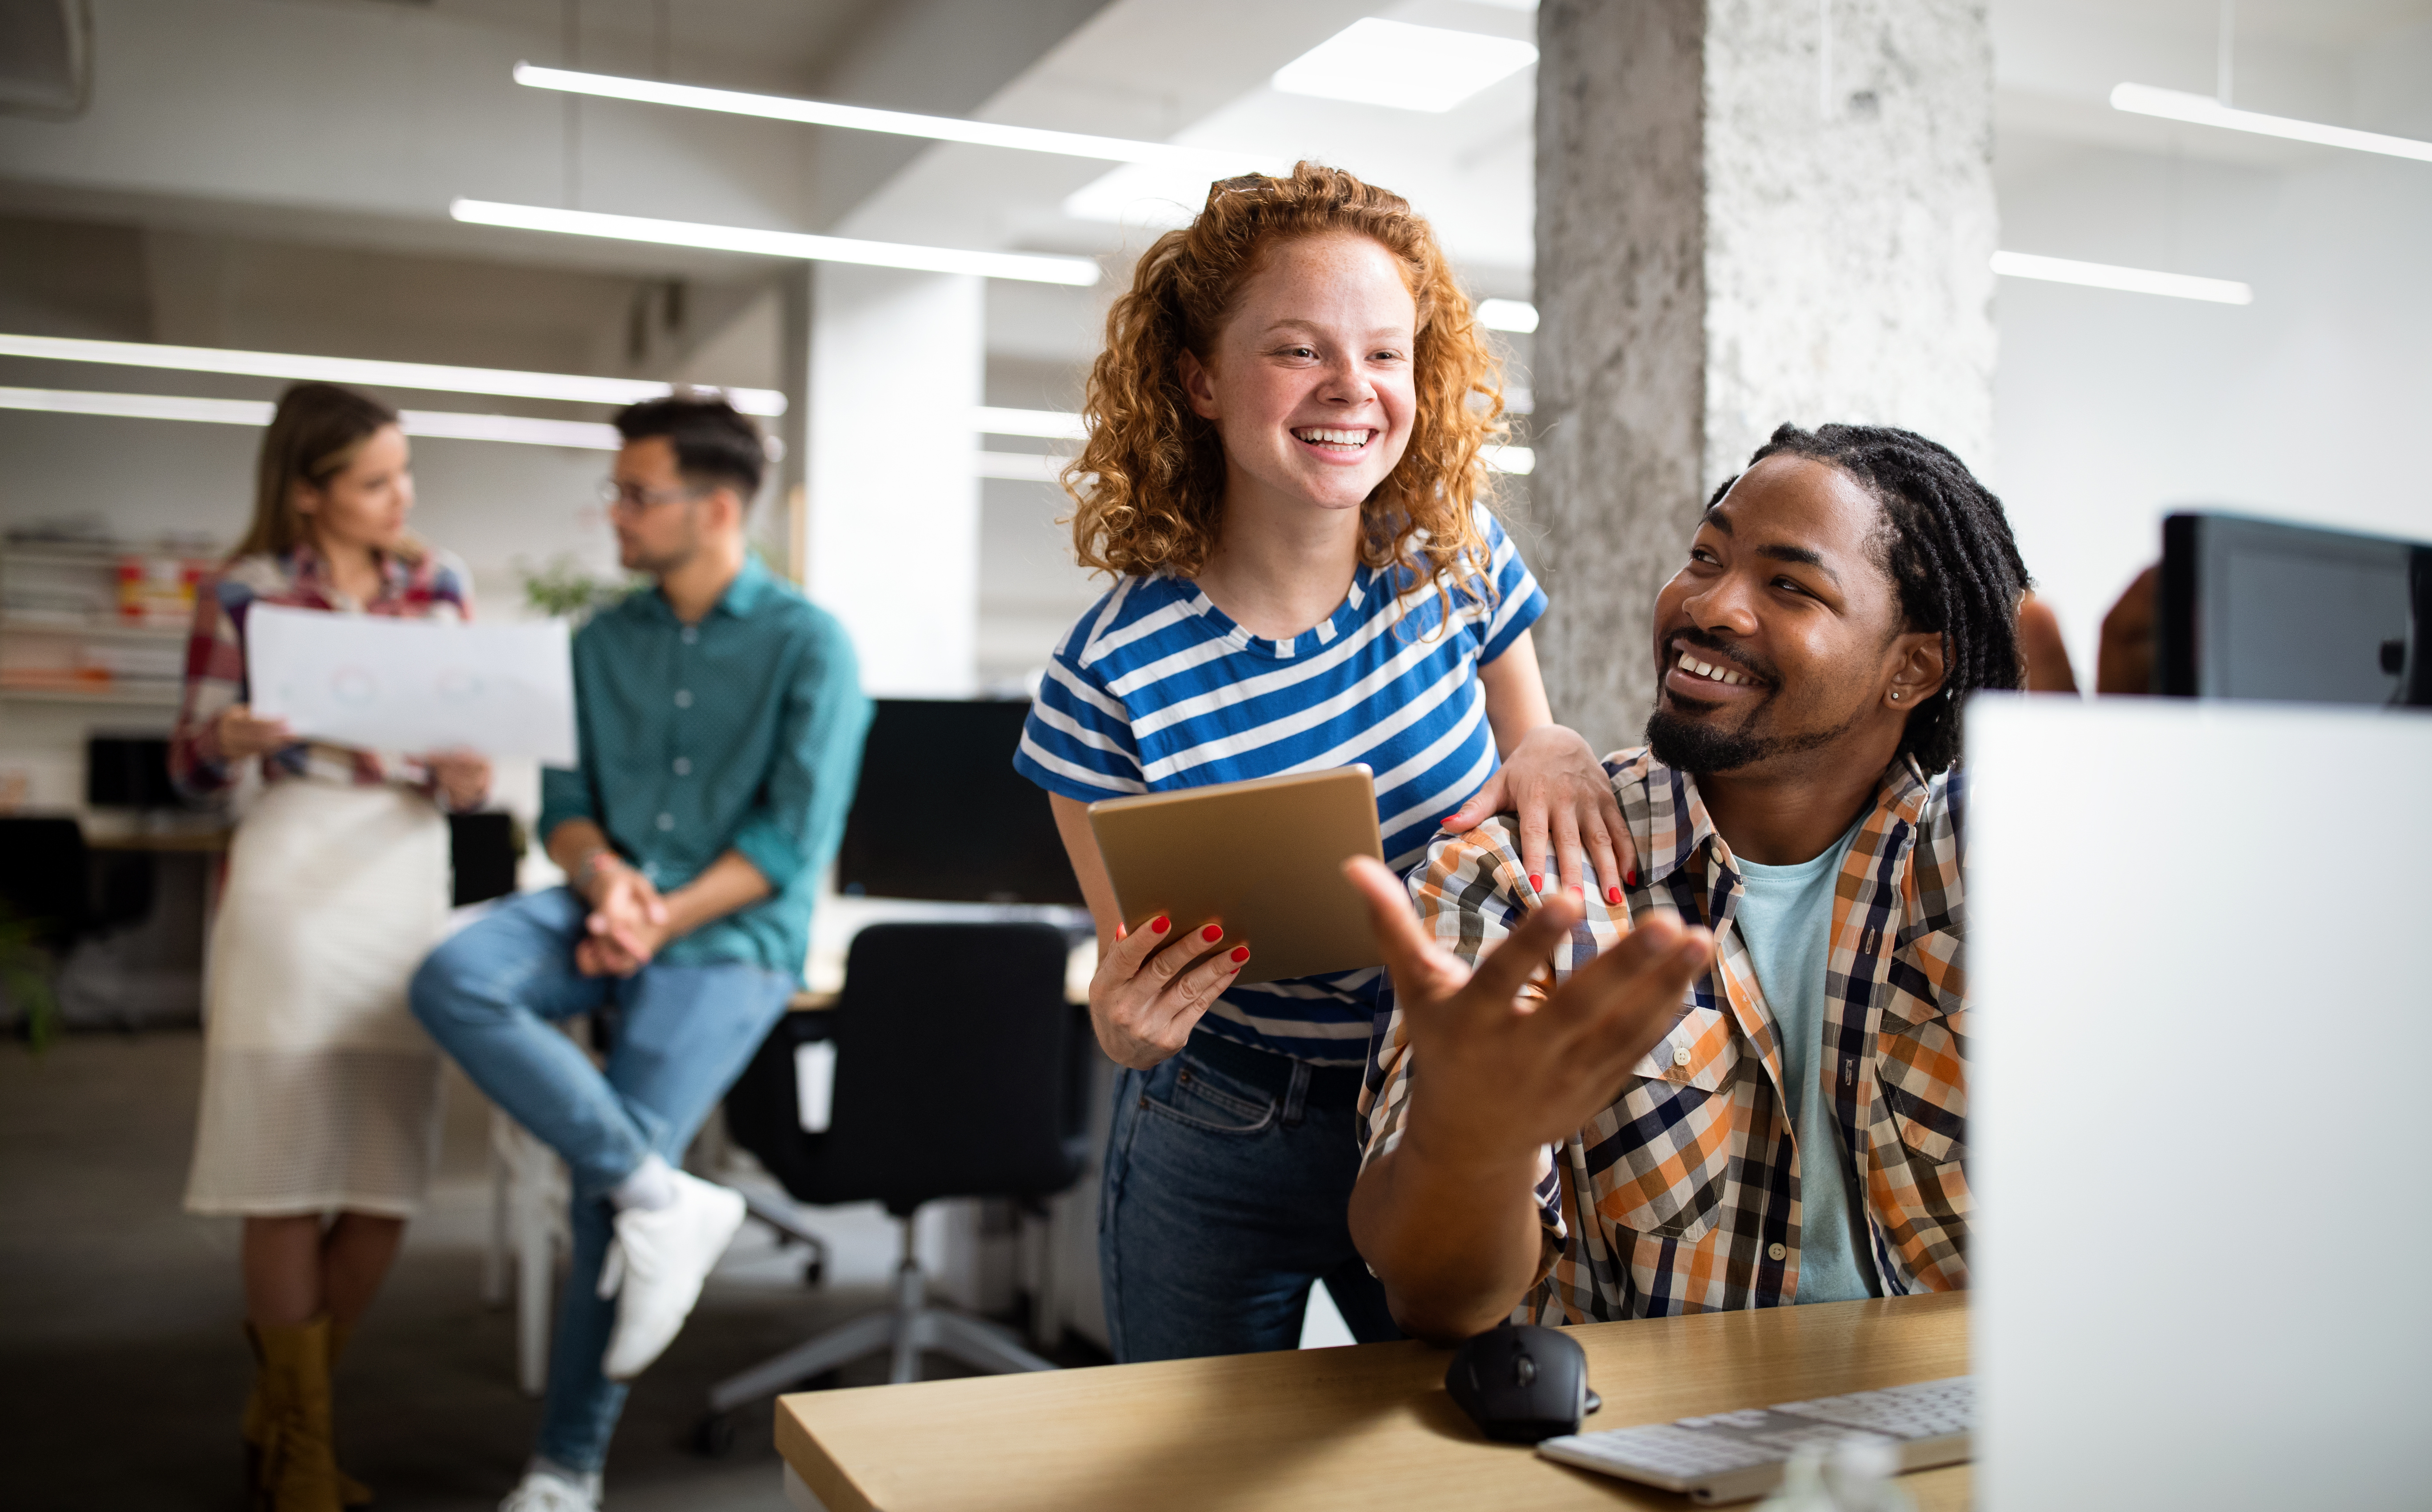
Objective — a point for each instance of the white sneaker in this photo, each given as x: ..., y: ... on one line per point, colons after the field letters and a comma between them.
x: 541, y: 1492
x: 656, y: 1264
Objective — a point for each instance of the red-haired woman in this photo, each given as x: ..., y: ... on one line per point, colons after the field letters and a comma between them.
x: 1286, y: 477
x: 320, y: 1093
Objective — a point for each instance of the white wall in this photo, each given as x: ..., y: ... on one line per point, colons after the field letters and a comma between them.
x: 2112, y: 409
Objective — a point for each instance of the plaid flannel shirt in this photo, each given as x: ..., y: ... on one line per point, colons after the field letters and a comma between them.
x: 425, y: 585
x: 1682, y: 1195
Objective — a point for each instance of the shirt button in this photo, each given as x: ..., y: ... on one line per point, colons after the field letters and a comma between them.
x: 690, y: 635
x: 666, y: 821
x: 1680, y: 1055
x: 1776, y: 1251
x: 683, y: 766
x: 683, y: 698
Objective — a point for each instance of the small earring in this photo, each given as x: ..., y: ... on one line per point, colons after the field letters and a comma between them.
x: 1895, y: 697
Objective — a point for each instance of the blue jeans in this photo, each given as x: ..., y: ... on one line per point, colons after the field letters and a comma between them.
x: 684, y: 1033
x: 1228, y: 1188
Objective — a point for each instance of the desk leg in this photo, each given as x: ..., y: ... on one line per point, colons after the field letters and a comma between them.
x: 798, y: 1494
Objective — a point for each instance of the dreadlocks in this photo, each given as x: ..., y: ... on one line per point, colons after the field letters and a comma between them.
x: 1947, y: 544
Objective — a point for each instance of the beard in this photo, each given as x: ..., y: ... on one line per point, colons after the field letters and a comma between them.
x: 1697, y: 748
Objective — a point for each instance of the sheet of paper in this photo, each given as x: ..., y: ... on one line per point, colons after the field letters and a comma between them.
x: 415, y: 686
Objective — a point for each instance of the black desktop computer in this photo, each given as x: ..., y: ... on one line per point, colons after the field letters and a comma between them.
x: 940, y: 815
x: 2259, y: 609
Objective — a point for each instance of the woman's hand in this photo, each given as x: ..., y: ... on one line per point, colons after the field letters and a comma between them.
x: 463, y: 776
x: 1569, y: 818
x: 242, y: 736
x: 1152, y: 987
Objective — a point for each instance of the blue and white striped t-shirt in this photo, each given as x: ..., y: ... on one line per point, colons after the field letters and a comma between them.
x: 1158, y: 689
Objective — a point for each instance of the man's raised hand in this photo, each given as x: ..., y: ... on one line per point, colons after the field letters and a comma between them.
x: 1498, y: 1076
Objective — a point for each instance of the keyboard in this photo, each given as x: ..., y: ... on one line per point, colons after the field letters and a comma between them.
x: 1737, y: 1457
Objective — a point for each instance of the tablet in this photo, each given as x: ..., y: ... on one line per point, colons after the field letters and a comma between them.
x: 1264, y: 856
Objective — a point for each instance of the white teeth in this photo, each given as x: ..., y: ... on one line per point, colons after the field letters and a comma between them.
x: 1330, y: 437
x: 1716, y: 674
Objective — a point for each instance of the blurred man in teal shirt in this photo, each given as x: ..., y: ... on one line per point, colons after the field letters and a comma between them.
x: 721, y: 721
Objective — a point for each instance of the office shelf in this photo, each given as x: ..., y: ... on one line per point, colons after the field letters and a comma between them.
x: 131, y: 697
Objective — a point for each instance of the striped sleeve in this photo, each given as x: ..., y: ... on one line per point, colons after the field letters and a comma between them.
x: 215, y: 681
x: 1078, y: 739
x: 1519, y: 603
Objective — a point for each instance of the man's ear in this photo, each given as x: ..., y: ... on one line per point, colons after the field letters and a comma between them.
x: 729, y: 503
x: 1198, y: 384
x: 1917, y: 668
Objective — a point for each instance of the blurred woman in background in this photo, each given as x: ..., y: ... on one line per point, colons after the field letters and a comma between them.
x: 320, y: 1106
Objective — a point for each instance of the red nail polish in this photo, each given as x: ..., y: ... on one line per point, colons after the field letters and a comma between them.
x: 1536, y: 882
x: 1212, y: 934
x: 1633, y: 877
x: 1241, y: 953
x: 1612, y: 894
x: 1579, y: 889
x: 1122, y: 933
x: 1160, y: 925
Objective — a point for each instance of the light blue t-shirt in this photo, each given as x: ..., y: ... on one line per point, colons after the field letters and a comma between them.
x: 1785, y: 922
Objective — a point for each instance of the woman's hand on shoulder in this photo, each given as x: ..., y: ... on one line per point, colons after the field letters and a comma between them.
x: 1569, y: 821
x: 242, y: 736
x: 1153, y: 986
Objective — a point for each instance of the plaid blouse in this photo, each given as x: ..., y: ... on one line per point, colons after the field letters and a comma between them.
x: 431, y: 586
x: 1682, y: 1196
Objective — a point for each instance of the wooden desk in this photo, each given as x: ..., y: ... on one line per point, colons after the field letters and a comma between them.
x: 1366, y: 1426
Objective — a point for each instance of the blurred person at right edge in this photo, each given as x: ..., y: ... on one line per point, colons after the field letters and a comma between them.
x: 1286, y: 476
x: 719, y: 721
x: 320, y: 1106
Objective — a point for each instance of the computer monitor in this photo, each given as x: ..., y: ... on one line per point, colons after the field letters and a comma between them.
x: 2196, y: 1054
x: 127, y: 772
x: 2258, y: 608
x: 941, y: 815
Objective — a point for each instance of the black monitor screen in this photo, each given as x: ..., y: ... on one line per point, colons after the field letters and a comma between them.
x: 941, y: 815
x: 2257, y: 608
x: 127, y: 772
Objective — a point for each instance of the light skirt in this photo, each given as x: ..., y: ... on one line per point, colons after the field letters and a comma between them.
x: 320, y: 1092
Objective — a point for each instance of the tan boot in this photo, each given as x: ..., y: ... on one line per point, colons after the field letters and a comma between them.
x: 255, y: 1427
x: 297, y: 1470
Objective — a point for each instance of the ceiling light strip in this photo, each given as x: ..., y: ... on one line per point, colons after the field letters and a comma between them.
x: 862, y: 118
x: 1022, y: 266
x: 2203, y: 110
x: 428, y: 376
x: 520, y: 429
x: 2131, y: 280
x: 1055, y: 425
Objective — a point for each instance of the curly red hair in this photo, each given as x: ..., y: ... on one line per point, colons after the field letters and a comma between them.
x: 1149, y: 485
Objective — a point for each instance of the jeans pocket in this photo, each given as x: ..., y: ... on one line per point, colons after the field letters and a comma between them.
x: 1210, y: 1100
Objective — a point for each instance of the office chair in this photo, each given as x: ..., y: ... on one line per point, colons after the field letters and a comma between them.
x: 953, y: 1077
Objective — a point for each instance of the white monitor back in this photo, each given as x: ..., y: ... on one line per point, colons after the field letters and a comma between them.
x: 2201, y: 966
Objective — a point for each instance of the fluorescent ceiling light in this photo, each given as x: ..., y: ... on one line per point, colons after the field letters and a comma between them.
x: 1508, y: 315
x: 430, y: 377
x: 2133, y: 280
x: 1020, y: 466
x: 520, y: 429
x: 860, y: 118
x: 1152, y: 196
x: 1515, y: 460
x: 1029, y: 268
x: 2203, y: 110
x: 1410, y: 68
x: 1056, y: 425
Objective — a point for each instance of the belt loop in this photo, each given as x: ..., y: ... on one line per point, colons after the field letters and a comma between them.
x: 1296, y: 1095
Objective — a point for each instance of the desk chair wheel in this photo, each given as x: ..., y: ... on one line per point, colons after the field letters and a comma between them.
x: 712, y: 1437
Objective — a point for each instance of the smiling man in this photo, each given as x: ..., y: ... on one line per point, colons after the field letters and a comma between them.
x: 1744, y: 1084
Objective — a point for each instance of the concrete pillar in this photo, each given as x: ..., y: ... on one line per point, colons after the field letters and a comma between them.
x: 1748, y: 211
x: 895, y: 370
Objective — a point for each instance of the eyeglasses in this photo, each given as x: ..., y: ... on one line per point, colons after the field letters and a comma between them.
x: 634, y: 498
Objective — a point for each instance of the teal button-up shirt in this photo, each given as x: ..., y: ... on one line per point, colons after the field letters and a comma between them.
x: 742, y: 732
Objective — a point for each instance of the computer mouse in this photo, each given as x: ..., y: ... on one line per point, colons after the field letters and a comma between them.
x: 1521, y: 1382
